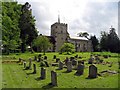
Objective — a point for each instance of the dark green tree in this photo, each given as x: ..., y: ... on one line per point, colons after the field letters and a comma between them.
x: 10, y: 30
x: 27, y: 26
x: 42, y: 43
x: 110, y: 41
x: 95, y: 43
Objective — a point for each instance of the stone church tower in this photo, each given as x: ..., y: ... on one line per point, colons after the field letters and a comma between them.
x: 60, y: 33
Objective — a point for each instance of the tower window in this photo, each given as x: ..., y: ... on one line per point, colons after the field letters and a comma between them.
x: 61, y: 31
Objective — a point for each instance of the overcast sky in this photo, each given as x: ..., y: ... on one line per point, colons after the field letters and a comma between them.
x: 92, y: 16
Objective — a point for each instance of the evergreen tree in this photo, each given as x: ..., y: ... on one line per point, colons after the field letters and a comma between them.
x: 27, y: 25
x: 95, y: 43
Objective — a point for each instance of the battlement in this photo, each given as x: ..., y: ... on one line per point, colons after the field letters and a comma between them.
x: 62, y: 24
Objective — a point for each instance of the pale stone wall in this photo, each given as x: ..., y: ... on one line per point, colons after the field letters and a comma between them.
x: 59, y: 32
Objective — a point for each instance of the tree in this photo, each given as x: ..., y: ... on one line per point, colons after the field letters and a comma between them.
x: 67, y: 47
x: 110, y: 41
x: 95, y: 43
x: 83, y: 34
x: 27, y: 26
x: 10, y: 30
x: 42, y: 42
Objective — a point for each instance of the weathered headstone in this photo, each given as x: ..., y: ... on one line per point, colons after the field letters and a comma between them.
x: 69, y: 66
x: 43, y: 73
x: 60, y: 65
x: 72, y: 58
x: 81, y: 62
x: 24, y: 65
x: 35, y: 58
x: 57, y: 60
x: 90, y: 61
x: 34, y: 68
x: 46, y: 63
x: 76, y: 56
x: 66, y: 60
x: 45, y: 57
x: 30, y: 62
x: 74, y: 62
x: 39, y: 55
x: 80, y: 69
x: 53, y: 78
x: 92, y: 71
x: 39, y: 59
x: 54, y: 57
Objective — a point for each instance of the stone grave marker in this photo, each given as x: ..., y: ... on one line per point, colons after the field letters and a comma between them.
x: 80, y: 69
x: 69, y: 66
x: 54, y: 57
x: 43, y: 73
x: 45, y: 57
x: 53, y: 78
x: 92, y: 71
x: 60, y: 65
x: 30, y: 62
x: 90, y: 61
x: 34, y: 68
x: 66, y: 60
x: 46, y: 63
x: 74, y: 62
x: 57, y: 60
x: 35, y: 58
x: 24, y: 65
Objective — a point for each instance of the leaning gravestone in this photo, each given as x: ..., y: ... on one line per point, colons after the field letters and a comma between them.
x: 43, y: 73
x: 60, y: 65
x: 24, y: 65
x: 34, y: 68
x: 90, y: 61
x: 92, y: 71
x: 69, y: 66
x: 30, y: 62
x: 53, y: 78
x: 80, y: 69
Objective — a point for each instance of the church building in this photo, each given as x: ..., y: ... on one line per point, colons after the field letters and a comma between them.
x: 60, y: 35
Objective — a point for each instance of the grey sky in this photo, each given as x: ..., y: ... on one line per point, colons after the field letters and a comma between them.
x: 80, y: 15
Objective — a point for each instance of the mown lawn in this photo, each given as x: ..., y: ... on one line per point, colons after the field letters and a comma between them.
x: 15, y: 77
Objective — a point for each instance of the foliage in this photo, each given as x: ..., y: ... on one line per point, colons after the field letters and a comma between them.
x: 83, y: 34
x: 110, y: 41
x: 27, y: 25
x: 95, y: 43
x: 67, y: 47
x: 42, y: 43
x: 10, y: 30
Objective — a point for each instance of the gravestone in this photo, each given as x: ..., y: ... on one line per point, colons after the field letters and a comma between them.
x: 35, y: 58
x: 92, y: 71
x: 81, y: 62
x: 80, y: 69
x: 45, y: 57
x: 69, y: 66
x: 53, y: 78
x: 74, y: 62
x: 90, y: 61
x: 54, y: 57
x: 46, y: 63
x: 34, y: 68
x: 57, y: 60
x: 76, y: 56
x: 30, y: 62
x: 43, y: 73
x: 39, y: 55
x: 24, y: 65
x: 39, y: 59
x: 66, y: 60
x: 60, y: 65
x: 72, y: 58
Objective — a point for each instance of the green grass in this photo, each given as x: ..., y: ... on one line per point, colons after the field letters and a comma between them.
x: 15, y: 77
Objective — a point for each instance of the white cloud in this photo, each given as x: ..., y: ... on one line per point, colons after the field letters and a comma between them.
x: 80, y: 15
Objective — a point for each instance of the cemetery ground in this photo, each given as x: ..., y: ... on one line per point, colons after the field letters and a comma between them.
x: 14, y: 75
